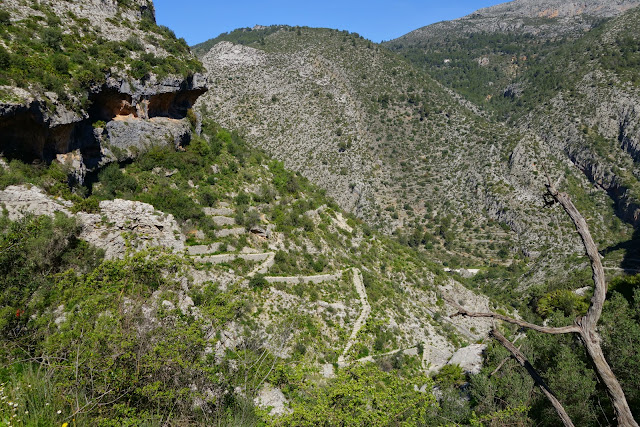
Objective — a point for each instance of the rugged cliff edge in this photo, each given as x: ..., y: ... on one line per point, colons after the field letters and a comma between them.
x: 547, y: 18
x: 127, y: 84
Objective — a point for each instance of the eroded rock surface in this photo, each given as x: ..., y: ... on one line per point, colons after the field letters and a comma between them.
x: 273, y: 398
x: 121, y: 225
x: 469, y: 358
x: 37, y: 124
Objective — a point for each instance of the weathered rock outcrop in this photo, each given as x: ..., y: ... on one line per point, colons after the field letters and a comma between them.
x: 121, y: 225
x: 469, y: 358
x: 29, y: 131
x: 35, y: 124
x: 130, y: 225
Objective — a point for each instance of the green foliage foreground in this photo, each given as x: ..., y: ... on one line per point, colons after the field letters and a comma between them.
x: 104, y: 342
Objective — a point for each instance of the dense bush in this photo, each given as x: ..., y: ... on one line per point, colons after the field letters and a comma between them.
x: 32, y: 251
x: 363, y: 395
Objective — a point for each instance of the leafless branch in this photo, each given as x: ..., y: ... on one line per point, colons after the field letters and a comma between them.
x: 586, y: 325
x: 556, y: 331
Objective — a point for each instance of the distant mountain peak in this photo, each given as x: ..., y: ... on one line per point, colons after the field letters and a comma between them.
x: 524, y: 17
x: 558, y: 8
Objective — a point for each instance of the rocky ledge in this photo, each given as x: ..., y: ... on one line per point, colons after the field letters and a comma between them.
x: 129, y: 116
x: 121, y: 225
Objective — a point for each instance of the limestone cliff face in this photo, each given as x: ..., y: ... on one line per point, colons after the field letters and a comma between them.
x: 550, y: 18
x: 40, y: 124
x: 603, y: 143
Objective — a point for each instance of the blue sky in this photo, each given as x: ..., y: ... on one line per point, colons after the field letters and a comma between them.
x: 200, y: 20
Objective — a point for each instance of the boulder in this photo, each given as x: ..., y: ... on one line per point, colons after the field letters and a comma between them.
x: 469, y: 358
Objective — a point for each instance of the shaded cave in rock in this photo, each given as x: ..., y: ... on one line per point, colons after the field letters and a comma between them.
x: 173, y: 105
x: 110, y: 103
x: 25, y: 137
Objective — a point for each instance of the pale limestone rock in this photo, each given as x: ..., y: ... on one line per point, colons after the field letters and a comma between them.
x: 328, y: 370
x: 218, y: 211
x: 227, y: 54
x: 147, y: 227
x: 273, y: 398
x: 469, y: 358
x: 106, y: 230
x: 21, y: 199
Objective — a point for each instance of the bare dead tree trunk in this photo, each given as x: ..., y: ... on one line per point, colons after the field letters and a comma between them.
x: 522, y: 360
x: 501, y: 364
x: 620, y: 405
x: 586, y: 325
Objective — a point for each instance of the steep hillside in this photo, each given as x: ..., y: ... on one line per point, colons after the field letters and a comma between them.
x: 69, y: 69
x: 482, y: 54
x: 392, y: 145
x: 578, y: 94
x: 590, y: 112
x: 216, y: 261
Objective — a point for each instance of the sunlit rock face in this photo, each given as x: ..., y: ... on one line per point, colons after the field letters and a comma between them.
x: 36, y: 125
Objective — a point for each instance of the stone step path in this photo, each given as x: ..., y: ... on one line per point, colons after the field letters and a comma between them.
x: 203, y: 249
x: 221, y: 258
x: 292, y: 280
x: 267, y: 260
x: 219, y: 211
x: 223, y: 220
x: 633, y: 270
x: 413, y: 351
x: 265, y: 266
x: 237, y: 231
x: 364, y: 315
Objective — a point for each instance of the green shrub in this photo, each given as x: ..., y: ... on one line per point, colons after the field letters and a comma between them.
x: 563, y: 300
x: 140, y: 69
x: 363, y: 395
x: 5, y: 59
x: 5, y: 17
x: 31, y: 251
x: 52, y: 37
x: 134, y: 44
x: 242, y: 199
x: 61, y: 63
x: 193, y: 119
x: 258, y: 281
x: 89, y: 205
x: 450, y: 376
x: 114, y: 182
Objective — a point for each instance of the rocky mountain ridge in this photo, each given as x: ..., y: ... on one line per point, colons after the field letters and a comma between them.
x: 378, y: 135
x: 547, y: 19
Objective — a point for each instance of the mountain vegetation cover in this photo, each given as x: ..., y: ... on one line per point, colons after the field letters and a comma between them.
x: 297, y: 246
